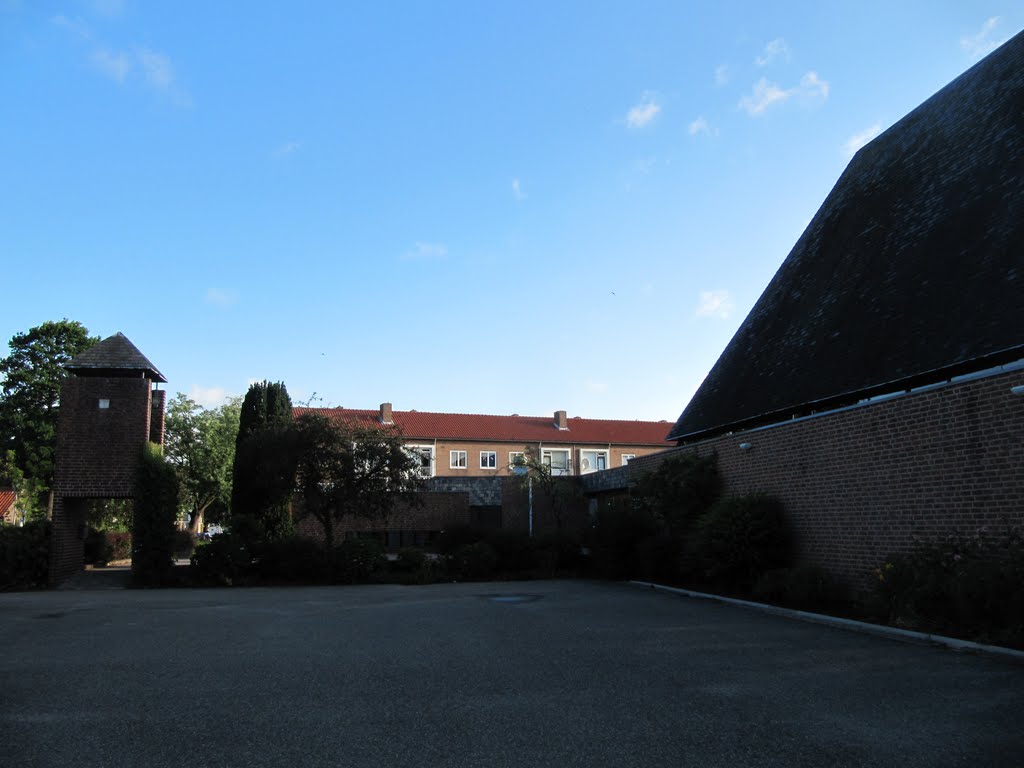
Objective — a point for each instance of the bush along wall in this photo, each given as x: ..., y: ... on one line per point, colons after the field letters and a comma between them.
x: 153, y: 529
x: 24, y: 555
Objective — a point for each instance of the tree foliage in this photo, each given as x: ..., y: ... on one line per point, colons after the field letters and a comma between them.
x: 263, y: 472
x: 561, y: 492
x: 679, y: 490
x: 200, y: 444
x: 156, y: 508
x: 32, y: 375
x: 348, y: 471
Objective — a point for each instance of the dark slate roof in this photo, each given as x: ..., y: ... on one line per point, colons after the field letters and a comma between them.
x: 115, y: 356
x: 911, y: 272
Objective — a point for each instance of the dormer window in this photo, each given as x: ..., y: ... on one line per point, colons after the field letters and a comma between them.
x: 104, y: 403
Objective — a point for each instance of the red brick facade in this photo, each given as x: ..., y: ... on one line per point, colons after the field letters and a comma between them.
x: 863, y: 482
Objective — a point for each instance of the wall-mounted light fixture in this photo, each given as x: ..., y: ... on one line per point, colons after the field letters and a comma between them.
x: 745, y: 446
x: 1017, y: 390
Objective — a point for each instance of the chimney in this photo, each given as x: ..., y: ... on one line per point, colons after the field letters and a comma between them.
x: 560, y: 421
x: 385, y: 414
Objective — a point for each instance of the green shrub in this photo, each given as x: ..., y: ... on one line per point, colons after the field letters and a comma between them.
x: 96, y: 551
x: 409, y: 560
x: 184, y: 544
x: 619, y: 527
x: 24, y: 555
x: 228, y: 559
x: 972, y: 587
x: 120, y: 544
x: 473, y: 561
x: 679, y: 490
x: 740, y: 538
x: 558, y: 551
x: 156, y: 509
x: 516, y: 551
x: 805, y: 587
x: 293, y: 559
x: 454, y: 538
x: 357, y: 560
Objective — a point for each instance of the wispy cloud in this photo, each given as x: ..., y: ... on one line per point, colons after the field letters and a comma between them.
x: 643, y: 113
x: 858, y: 140
x: 715, y: 304
x: 220, y: 298
x: 517, y: 190
x: 115, y: 65
x: 766, y: 94
x: 288, y: 148
x: 701, y: 126
x: 208, y: 397
x: 157, y: 68
x: 776, y: 49
x: 982, y: 43
x: 75, y: 27
x: 426, y: 252
x: 721, y: 75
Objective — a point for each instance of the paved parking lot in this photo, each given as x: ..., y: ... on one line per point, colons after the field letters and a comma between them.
x: 557, y: 673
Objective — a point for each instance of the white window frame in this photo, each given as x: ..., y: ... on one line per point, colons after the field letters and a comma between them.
x: 627, y: 457
x: 545, y: 457
x: 586, y: 470
x: 493, y: 456
x: 420, y: 451
x: 517, y: 468
x: 453, y: 456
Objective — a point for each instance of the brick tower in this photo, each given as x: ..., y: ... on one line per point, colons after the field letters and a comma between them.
x: 109, y: 408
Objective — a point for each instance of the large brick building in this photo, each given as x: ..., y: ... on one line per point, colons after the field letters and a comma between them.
x: 877, y: 386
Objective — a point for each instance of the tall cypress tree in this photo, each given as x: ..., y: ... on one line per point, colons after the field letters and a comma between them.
x: 264, y: 469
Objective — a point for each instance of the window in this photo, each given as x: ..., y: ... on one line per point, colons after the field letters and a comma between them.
x: 488, y: 459
x: 557, y: 459
x: 593, y: 461
x: 458, y: 460
x: 517, y: 463
x: 627, y: 457
x: 104, y: 403
x: 425, y: 454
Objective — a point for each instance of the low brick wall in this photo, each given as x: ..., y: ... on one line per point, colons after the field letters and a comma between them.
x: 863, y: 482
x: 439, y: 511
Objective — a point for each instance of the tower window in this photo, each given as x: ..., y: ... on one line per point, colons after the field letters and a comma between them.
x: 104, y: 403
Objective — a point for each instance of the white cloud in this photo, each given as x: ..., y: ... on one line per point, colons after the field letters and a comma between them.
x: 981, y: 43
x: 517, y: 190
x: 208, y: 397
x: 116, y: 66
x: 763, y: 96
x: 643, y: 113
x: 775, y: 49
x: 721, y: 74
x: 812, y: 86
x: 288, y: 148
x: 426, y: 252
x: 858, y: 140
x: 699, y: 126
x: 715, y: 304
x: 157, y: 68
x: 810, y: 89
x: 220, y: 298
x: 75, y: 26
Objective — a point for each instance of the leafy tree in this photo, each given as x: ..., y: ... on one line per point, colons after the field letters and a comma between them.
x: 562, y: 493
x: 156, y: 508
x: 200, y: 444
x: 26, y: 491
x: 348, y: 471
x: 32, y: 374
x: 679, y: 490
x: 263, y: 473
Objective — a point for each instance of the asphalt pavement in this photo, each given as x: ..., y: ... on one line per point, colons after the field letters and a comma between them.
x: 544, y: 673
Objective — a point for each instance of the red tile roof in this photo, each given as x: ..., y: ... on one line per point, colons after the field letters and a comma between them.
x: 7, y: 499
x: 417, y: 425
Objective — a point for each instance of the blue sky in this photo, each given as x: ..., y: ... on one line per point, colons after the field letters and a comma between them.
x: 451, y: 206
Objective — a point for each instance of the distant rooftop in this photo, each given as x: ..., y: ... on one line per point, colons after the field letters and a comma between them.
x: 910, y: 273
x: 114, y: 356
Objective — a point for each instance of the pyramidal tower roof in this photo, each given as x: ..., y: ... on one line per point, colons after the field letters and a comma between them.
x: 115, y: 356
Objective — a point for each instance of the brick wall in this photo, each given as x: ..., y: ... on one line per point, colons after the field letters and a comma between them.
x: 98, y: 449
x: 439, y: 511
x: 861, y: 483
x: 67, y: 548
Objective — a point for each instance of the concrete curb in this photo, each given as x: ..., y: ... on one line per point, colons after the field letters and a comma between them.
x: 893, y: 633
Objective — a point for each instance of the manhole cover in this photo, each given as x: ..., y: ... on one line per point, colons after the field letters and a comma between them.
x: 511, y: 598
